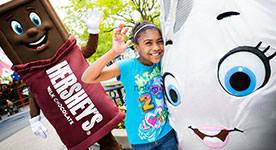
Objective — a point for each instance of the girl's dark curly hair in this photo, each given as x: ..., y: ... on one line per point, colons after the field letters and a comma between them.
x: 139, y: 28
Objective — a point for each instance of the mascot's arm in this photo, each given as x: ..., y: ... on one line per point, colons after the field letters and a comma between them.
x: 91, y: 46
x: 92, y: 22
x: 37, y: 127
x: 34, y: 108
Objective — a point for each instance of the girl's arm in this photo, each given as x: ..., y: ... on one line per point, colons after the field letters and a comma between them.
x: 97, y: 71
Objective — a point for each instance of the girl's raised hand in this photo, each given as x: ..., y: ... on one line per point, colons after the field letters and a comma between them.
x: 118, y: 44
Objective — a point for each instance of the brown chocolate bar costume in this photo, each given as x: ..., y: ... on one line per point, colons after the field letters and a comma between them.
x: 49, y: 61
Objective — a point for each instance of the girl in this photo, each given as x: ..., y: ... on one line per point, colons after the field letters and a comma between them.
x: 146, y: 122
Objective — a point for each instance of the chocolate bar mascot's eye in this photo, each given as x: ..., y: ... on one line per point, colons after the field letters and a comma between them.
x: 51, y: 63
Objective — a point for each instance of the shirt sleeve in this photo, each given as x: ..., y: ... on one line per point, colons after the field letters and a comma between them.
x: 123, y: 65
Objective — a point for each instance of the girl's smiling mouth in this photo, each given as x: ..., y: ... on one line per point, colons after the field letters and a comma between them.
x: 158, y: 54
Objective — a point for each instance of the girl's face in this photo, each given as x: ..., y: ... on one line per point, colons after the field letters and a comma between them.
x: 150, y: 47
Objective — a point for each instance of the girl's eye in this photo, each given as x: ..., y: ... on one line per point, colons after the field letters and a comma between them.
x: 16, y: 27
x: 148, y: 43
x: 160, y: 42
x: 171, y: 89
x: 242, y: 72
x: 35, y: 19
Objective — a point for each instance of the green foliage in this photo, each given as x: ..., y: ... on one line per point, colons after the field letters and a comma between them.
x: 115, y: 11
x: 8, y: 79
x: 121, y: 125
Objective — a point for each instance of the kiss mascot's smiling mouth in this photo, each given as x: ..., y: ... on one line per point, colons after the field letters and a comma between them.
x: 212, y: 136
x: 39, y: 44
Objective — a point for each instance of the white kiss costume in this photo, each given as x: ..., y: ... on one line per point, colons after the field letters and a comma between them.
x: 219, y: 72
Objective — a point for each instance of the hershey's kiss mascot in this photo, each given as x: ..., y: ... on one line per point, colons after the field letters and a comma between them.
x: 49, y: 61
x: 219, y: 72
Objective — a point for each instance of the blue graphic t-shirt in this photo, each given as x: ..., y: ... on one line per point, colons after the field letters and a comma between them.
x: 146, y: 115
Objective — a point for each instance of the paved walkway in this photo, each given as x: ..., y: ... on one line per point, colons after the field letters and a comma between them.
x: 25, y: 140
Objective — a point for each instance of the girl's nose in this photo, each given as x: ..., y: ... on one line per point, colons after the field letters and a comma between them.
x: 32, y: 32
x: 156, y: 47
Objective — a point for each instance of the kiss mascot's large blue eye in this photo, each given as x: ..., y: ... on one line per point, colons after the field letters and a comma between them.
x: 171, y: 89
x: 243, y: 70
x: 240, y: 81
x: 35, y: 19
x: 16, y: 27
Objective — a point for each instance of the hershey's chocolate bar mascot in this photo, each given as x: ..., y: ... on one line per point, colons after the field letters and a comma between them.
x: 50, y: 62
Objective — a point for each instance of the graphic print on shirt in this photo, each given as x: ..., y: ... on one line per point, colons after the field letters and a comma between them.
x: 152, y: 104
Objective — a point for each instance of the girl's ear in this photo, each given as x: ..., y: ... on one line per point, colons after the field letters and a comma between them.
x: 136, y: 47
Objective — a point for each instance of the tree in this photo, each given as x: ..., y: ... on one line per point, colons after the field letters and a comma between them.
x: 115, y: 12
x: 5, y: 79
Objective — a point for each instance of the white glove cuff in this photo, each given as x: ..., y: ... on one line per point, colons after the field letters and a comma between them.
x: 34, y: 119
x: 93, y: 31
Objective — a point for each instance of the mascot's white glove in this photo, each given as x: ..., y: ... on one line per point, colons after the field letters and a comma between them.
x: 37, y: 127
x: 93, y: 20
